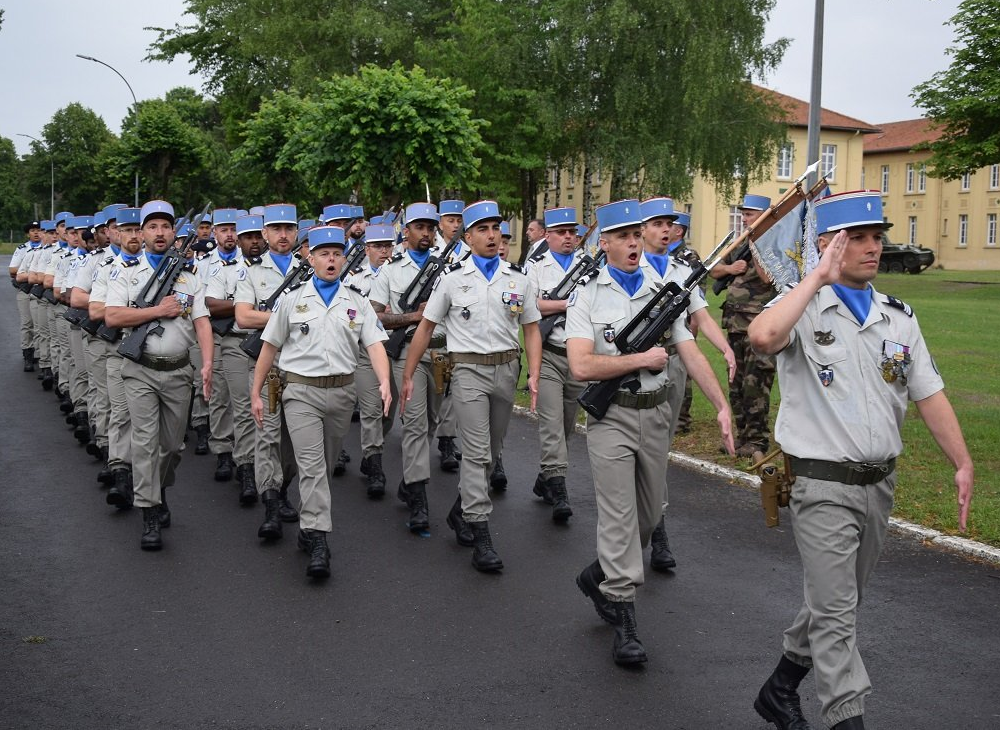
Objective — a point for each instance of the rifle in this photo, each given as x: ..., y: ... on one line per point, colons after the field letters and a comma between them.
x: 649, y: 326
x: 253, y: 343
x: 419, y: 291
x: 354, y: 258
x: 158, y: 288
x: 584, y: 267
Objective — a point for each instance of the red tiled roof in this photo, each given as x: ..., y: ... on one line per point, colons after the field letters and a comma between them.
x: 901, y: 136
x: 798, y: 114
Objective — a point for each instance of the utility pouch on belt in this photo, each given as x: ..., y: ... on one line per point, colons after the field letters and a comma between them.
x: 775, y: 485
x: 441, y: 368
x: 273, y: 381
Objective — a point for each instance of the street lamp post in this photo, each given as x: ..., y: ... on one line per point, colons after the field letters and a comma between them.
x: 52, y: 174
x: 135, y: 105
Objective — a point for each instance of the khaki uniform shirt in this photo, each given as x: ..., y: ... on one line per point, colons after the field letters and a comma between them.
x: 86, y: 270
x: 856, y: 415
x: 545, y: 273
x: 24, y: 265
x: 61, y: 265
x: 677, y: 271
x: 483, y: 316
x: 99, y: 286
x: 18, y: 256
x: 223, y: 279
x: 363, y: 277
x: 317, y: 340
x: 125, y: 284
x: 259, y: 278
x: 598, y: 310
x: 42, y: 258
x: 393, y: 279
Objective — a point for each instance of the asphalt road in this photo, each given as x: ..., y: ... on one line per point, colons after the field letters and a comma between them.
x: 219, y: 631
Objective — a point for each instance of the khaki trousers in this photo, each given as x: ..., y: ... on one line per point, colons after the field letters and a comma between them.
x: 628, y: 457
x: 273, y: 462
x: 199, y: 406
x: 158, y: 407
x: 677, y: 380
x: 40, y: 325
x: 97, y: 373
x: 419, y: 420
x: 119, y: 424
x: 839, y: 531
x: 317, y: 420
x: 79, y: 385
x: 27, y: 324
x: 373, y: 425
x: 557, y: 409
x: 229, y: 414
x: 483, y: 397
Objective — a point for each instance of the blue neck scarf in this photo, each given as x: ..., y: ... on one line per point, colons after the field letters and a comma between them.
x: 127, y: 257
x: 34, y: 244
x: 658, y: 261
x: 673, y: 246
x: 116, y: 250
x: 81, y: 251
x: 231, y: 255
x: 629, y: 282
x: 154, y: 259
x: 564, y: 259
x: 374, y: 269
x: 419, y: 257
x: 487, y: 265
x: 282, y: 260
x: 326, y: 289
x: 63, y: 244
x: 859, y: 301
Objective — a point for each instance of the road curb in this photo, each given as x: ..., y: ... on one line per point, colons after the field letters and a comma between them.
x: 927, y: 535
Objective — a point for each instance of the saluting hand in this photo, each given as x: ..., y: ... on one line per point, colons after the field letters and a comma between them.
x: 832, y: 260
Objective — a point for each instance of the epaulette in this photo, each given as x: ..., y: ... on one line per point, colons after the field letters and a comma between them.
x: 899, y: 304
x: 190, y: 266
x: 358, y: 270
x: 295, y: 286
x: 107, y: 262
x: 95, y: 252
x: 396, y: 257
x: 453, y: 267
x: 129, y: 263
x: 536, y: 258
x: 354, y: 288
x: 23, y: 246
x: 252, y: 260
x: 517, y: 267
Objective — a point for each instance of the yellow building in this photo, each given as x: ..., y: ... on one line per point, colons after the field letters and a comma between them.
x: 956, y: 218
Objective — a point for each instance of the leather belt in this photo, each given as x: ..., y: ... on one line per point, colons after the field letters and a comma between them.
x: 438, y: 342
x: 164, y: 364
x: 554, y: 349
x: 643, y: 400
x: 844, y: 472
x: 237, y: 335
x: 327, y: 381
x: 493, y: 358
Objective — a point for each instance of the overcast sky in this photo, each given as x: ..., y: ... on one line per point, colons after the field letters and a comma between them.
x: 876, y: 51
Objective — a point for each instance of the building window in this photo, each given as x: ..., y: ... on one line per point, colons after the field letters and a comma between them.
x: 571, y: 177
x: 994, y: 177
x: 597, y: 178
x: 735, y: 220
x: 909, y: 177
x: 912, y: 240
x: 828, y: 161
x: 885, y: 179
x: 991, y: 229
x: 553, y: 176
x: 966, y: 182
x: 922, y: 179
x: 785, y: 162
x: 963, y: 231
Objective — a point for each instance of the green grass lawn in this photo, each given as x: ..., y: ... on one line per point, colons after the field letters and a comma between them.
x: 959, y: 314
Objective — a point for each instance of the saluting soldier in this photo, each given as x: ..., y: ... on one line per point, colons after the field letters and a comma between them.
x: 158, y: 387
x: 483, y: 302
x: 318, y: 328
x: 374, y: 423
x: 420, y: 419
x: 630, y: 444
x: 34, y: 232
x: 849, y: 360
x: 274, y: 463
x: 557, y: 390
x: 449, y: 224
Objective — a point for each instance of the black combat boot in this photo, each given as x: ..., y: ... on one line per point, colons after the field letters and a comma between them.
x: 224, y: 467
x: 248, y: 484
x: 661, y: 559
x: 627, y: 649
x: 65, y: 403
x: 151, y: 529
x: 47, y: 379
x: 463, y: 533
x: 852, y: 723
x: 446, y: 450
x: 589, y: 582
x: 164, y: 508
x: 778, y: 700
x: 92, y: 448
x: 82, y: 430
x: 119, y: 495
x: 270, y: 528
x: 341, y: 466
x: 314, y: 543
x: 401, y: 494
x: 417, y: 502
x: 484, y: 557
x: 29, y: 359
x: 556, y: 487
x: 541, y: 490
x: 371, y: 466
x: 286, y: 512
x: 498, y: 479
x: 105, y: 476
x: 201, y: 445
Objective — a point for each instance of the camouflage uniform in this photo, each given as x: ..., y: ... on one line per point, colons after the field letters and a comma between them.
x: 750, y: 391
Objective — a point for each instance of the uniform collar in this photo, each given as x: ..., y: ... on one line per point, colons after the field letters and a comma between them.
x: 605, y: 279
x: 828, y: 299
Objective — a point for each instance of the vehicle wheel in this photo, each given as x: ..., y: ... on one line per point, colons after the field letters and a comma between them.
x: 915, y: 270
x: 882, y: 267
x: 910, y: 262
x: 896, y: 267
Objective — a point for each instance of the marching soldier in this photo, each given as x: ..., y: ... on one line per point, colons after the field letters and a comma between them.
x: 482, y: 301
x: 34, y: 233
x: 677, y: 247
x: 849, y: 360
x: 378, y: 246
x: 274, y: 464
x: 318, y: 328
x: 450, y: 223
x: 74, y: 364
x: 629, y: 446
x: 158, y: 387
x: 557, y: 390
x: 35, y: 265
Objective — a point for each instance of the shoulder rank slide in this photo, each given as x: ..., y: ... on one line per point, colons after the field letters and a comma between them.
x: 899, y: 304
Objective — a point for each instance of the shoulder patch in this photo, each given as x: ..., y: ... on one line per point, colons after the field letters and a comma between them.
x: 899, y: 304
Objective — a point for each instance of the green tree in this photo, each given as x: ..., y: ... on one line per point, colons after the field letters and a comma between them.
x: 964, y: 99
x: 384, y: 135
x: 15, y: 210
